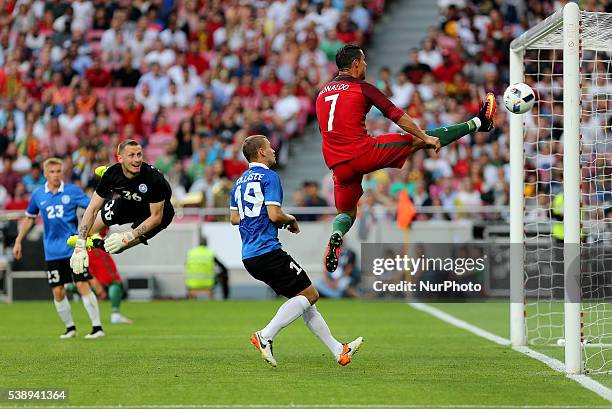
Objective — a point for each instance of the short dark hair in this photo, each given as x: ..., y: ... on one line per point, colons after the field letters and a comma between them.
x: 127, y: 142
x: 346, y: 55
x: 251, y: 146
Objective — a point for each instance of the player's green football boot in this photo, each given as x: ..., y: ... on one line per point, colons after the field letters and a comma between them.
x: 100, y: 170
x: 92, y: 241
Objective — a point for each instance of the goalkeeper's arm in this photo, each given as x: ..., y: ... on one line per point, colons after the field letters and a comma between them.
x: 154, y: 220
x: 89, y: 216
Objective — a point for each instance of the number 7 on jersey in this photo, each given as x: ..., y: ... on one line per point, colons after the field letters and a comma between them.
x: 330, y: 121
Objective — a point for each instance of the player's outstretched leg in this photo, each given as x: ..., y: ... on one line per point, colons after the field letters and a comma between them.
x: 115, y: 294
x: 483, y: 122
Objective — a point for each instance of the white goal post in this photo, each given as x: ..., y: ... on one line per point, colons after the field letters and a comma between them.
x: 567, y: 58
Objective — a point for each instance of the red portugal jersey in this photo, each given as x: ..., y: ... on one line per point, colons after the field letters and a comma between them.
x: 341, y: 107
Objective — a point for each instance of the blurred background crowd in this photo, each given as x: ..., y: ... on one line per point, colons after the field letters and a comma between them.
x: 190, y: 79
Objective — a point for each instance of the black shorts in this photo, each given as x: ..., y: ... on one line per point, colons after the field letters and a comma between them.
x: 280, y: 271
x: 122, y: 211
x: 60, y: 273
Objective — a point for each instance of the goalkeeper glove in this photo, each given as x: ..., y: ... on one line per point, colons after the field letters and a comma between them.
x: 117, y: 241
x: 79, y: 260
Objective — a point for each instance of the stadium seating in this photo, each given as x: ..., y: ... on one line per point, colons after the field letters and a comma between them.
x: 205, y: 70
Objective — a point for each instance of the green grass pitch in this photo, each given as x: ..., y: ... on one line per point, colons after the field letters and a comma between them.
x: 198, y: 353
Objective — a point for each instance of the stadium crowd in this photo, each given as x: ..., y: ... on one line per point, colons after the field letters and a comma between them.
x: 189, y: 79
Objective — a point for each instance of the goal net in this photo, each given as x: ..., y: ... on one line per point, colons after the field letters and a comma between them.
x: 563, y: 173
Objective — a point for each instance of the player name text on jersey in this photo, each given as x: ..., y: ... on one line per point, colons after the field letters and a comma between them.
x: 334, y: 87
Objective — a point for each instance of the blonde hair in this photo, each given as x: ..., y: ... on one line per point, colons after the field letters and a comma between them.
x: 52, y: 161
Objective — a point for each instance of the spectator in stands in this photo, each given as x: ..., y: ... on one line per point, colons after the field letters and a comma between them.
x: 131, y: 113
x: 19, y: 200
x: 287, y: 108
x: 34, y: 179
x: 208, y: 65
x: 157, y: 82
x: 401, y: 91
x: 338, y: 283
x: 127, y: 75
x: 97, y: 75
x: 71, y: 122
x: 312, y: 198
x: 330, y: 44
x: 8, y: 177
x: 173, y: 98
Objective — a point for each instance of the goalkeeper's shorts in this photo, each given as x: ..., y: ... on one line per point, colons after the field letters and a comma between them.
x: 388, y: 151
x: 123, y: 211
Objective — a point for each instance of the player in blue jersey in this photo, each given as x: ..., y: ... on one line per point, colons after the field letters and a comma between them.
x: 255, y: 206
x: 58, y: 202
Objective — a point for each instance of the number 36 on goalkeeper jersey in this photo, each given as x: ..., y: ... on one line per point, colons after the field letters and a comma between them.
x: 253, y: 191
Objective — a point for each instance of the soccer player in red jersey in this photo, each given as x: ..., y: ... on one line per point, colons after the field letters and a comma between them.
x: 108, y: 281
x: 350, y: 152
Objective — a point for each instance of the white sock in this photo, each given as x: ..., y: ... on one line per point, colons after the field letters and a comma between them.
x: 91, y: 305
x: 286, y: 314
x: 64, y: 311
x: 315, y: 321
x: 477, y: 122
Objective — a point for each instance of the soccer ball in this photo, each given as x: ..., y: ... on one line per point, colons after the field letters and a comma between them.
x: 519, y: 98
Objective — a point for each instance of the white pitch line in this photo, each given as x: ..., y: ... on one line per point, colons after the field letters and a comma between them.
x: 303, y: 406
x: 585, y: 381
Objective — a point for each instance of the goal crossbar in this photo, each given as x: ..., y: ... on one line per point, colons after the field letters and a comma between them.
x: 547, y: 34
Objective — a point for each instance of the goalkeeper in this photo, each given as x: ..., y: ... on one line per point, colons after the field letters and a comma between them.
x: 350, y: 152
x: 130, y: 191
